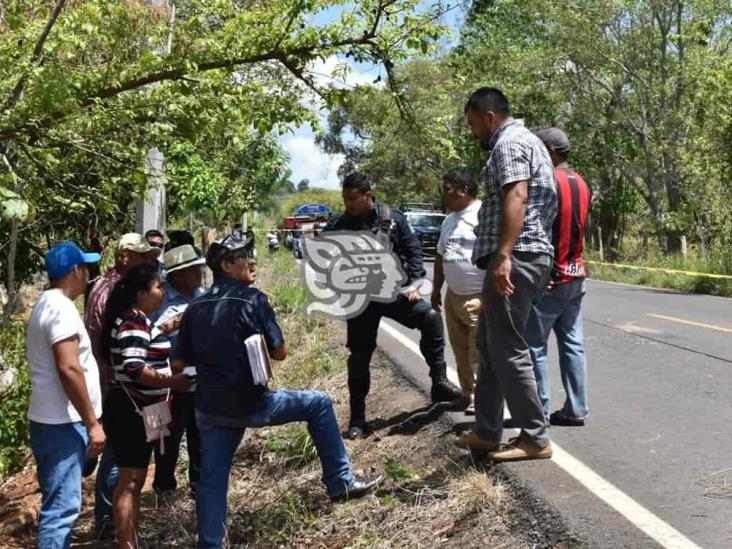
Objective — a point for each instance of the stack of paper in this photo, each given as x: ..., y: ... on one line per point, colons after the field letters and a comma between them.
x: 258, y: 359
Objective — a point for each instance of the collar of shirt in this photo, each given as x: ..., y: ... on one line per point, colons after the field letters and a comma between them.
x: 473, y: 206
x: 224, y: 281
x: 499, y: 132
x: 113, y: 274
x: 172, y: 294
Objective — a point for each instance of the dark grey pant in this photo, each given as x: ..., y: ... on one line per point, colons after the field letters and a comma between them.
x: 506, y: 370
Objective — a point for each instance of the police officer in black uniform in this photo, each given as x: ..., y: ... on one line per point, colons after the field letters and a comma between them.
x: 213, y: 336
x: 363, y: 213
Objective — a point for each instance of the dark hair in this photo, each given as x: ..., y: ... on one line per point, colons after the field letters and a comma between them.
x: 358, y: 181
x: 123, y: 296
x: 178, y: 238
x: 216, y: 266
x: 155, y: 233
x: 563, y: 155
x: 483, y: 100
x: 462, y: 179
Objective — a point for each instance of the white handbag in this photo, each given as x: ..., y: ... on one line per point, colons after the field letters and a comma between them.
x: 155, y: 417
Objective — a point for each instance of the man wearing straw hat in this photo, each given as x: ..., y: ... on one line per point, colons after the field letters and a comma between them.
x: 184, y: 267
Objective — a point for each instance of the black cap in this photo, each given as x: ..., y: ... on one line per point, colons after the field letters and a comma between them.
x: 555, y: 139
x: 236, y: 243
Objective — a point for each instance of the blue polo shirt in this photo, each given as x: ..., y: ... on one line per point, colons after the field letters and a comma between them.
x: 174, y: 303
x: 212, y: 337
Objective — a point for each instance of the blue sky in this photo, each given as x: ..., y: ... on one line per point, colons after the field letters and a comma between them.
x: 307, y: 161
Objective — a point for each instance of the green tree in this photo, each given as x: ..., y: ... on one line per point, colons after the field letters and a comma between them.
x: 635, y: 83
x: 86, y: 88
x: 620, y: 76
x: 405, y: 151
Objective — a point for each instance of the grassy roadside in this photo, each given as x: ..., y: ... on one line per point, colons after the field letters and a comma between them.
x: 433, y: 494
x: 691, y: 283
x: 681, y: 282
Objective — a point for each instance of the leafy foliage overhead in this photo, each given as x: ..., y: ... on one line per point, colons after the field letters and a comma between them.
x: 642, y: 87
x: 87, y: 88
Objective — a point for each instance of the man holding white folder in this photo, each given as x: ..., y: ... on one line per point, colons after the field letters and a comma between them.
x: 213, y: 336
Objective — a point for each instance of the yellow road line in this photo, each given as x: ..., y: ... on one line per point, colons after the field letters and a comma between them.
x: 659, y: 270
x: 692, y: 323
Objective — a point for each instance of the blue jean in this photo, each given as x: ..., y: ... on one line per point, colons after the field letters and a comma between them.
x: 218, y: 445
x: 560, y: 309
x: 60, y: 452
x: 106, y: 482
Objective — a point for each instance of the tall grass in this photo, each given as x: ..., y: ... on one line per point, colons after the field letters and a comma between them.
x: 313, y: 350
x: 692, y: 281
x: 14, y: 406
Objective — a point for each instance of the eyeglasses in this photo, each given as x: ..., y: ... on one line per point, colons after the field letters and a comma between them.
x: 156, y: 244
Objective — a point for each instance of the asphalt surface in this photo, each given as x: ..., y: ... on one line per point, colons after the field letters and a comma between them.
x: 660, y: 415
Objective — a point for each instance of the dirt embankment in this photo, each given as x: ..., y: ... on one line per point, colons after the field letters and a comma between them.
x: 434, y: 495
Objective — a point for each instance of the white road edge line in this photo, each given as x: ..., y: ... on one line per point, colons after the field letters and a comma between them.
x: 655, y: 528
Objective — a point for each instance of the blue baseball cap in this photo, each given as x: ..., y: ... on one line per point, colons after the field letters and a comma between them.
x: 62, y: 258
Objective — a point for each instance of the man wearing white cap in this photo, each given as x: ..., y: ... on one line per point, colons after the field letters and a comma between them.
x: 184, y: 267
x: 132, y: 249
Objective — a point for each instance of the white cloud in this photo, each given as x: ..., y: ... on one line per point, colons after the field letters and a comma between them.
x: 330, y: 72
x: 308, y: 161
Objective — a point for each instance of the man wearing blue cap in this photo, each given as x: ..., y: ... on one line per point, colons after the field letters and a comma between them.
x: 65, y: 403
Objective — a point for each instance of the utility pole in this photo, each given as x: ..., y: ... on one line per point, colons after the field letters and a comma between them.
x: 150, y: 212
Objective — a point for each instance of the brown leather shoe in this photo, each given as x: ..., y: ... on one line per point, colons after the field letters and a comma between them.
x: 520, y: 450
x: 472, y: 441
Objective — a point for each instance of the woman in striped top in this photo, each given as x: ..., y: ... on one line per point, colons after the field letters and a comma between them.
x: 142, y: 376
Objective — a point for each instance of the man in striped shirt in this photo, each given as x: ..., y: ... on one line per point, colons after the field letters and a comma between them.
x: 560, y: 306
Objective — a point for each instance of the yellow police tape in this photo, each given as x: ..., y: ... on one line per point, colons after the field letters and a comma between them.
x: 657, y: 269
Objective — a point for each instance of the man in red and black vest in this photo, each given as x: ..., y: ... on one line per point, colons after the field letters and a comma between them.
x: 559, y: 308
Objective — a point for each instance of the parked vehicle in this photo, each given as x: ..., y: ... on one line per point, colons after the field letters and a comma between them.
x: 426, y: 225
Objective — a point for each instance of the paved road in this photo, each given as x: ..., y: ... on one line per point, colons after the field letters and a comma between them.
x: 660, y: 390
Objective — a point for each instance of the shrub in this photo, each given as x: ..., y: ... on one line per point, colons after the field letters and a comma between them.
x: 14, y: 408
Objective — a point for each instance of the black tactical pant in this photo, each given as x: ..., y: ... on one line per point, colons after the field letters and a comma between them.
x: 362, y: 332
x: 184, y: 421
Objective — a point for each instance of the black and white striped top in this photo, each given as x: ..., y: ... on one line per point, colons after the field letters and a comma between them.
x: 136, y: 344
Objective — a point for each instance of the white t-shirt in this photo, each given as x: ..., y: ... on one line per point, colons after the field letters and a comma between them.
x: 53, y: 319
x: 457, y: 239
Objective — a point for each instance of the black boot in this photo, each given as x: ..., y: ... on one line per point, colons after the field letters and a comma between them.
x: 442, y: 389
x: 357, y: 427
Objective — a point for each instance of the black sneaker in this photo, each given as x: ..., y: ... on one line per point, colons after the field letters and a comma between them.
x: 444, y: 391
x: 560, y: 420
x: 359, y: 487
x: 357, y: 429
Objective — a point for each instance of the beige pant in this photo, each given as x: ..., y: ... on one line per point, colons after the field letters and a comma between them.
x: 461, y: 315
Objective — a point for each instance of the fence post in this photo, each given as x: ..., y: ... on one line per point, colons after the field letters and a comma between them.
x: 208, y: 235
x: 684, y: 249
x: 599, y: 241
